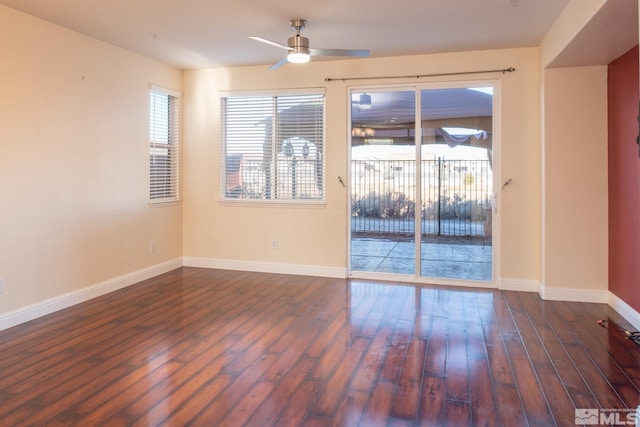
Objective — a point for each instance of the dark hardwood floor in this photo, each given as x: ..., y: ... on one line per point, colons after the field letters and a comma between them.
x: 215, y: 348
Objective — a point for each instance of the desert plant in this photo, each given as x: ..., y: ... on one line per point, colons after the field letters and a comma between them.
x: 386, y: 205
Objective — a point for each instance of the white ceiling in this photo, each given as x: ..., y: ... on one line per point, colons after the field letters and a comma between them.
x: 211, y: 33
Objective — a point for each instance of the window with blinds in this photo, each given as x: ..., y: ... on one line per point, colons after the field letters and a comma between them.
x: 163, y: 146
x: 273, y: 147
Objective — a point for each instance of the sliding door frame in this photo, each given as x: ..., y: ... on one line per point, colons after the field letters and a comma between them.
x: 495, y: 170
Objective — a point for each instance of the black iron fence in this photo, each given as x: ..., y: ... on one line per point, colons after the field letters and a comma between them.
x: 456, y: 197
x: 284, y: 178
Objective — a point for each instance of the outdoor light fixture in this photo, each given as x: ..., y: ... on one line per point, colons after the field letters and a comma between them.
x: 287, y: 150
x: 365, y: 101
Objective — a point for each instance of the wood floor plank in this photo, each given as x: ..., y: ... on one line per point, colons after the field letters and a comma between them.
x: 556, y: 335
x: 173, y: 407
x: 379, y: 405
x: 295, y: 351
x: 483, y: 404
x: 509, y: 408
x: 406, y: 403
x: 432, y: 401
x: 247, y: 405
x: 283, y: 393
x: 436, y: 347
x: 501, y: 369
x: 361, y: 302
x: 330, y: 334
x: 398, y: 346
x: 457, y: 413
x: 351, y: 409
x: 376, y: 316
x: 295, y: 412
x: 457, y: 369
x: 140, y: 398
x: 336, y: 386
x: 261, y: 335
x: 215, y: 347
x: 226, y: 402
x: 337, y: 345
x: 75, y: 383
x: 531, y: 394
x: 538, y: 338
x: 196, y: 399
x: 620, y: 369
x: 367, y: 372
x: 114, y: 390
x: 614, y: 389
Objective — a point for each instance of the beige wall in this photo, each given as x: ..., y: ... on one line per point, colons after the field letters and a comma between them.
x: 317, y: 236
x: 575, y: 171
x: 74, y: 163
x: 574, y: 153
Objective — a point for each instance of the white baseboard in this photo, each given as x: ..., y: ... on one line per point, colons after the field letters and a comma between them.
x: 624, y: 309
x: 25, y: 314
x: 33, y: 311
x: 519, y: 285
x: 266, y: 267
x: 574, y: 295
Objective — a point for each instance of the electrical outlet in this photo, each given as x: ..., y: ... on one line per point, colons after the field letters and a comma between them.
x: 1, y: 285
x: 152, y: 247
x: 274, y: 244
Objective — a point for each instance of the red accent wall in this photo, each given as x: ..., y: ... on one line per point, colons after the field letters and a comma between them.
x: 624, y: 179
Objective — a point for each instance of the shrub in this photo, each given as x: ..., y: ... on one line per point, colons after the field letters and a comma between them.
x: 387, y: 205
x: 396, y: 205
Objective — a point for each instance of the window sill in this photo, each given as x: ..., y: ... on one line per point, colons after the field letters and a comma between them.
x: 164, y: 203
x: 299, y: 204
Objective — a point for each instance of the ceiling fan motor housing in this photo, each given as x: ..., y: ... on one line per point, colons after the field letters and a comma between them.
x: 299, y: 44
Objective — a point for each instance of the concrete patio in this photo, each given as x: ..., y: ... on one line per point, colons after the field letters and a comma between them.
x: 443, y: 260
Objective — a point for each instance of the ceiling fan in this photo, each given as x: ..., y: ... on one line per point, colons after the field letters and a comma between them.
x: 299, y: 50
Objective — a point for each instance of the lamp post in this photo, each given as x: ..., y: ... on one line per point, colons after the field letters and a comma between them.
x: 288, y: 151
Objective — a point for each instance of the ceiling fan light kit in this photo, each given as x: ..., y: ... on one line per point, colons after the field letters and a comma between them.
x: 300, y: 50
x: 298, y: 47
x: 298, y: 57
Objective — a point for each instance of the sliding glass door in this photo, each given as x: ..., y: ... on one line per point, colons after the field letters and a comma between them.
x: 383, y: 185
x: 421, y: 171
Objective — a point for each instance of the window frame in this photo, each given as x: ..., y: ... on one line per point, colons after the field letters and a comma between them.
x: 320, y: 152
x: 169, y: 141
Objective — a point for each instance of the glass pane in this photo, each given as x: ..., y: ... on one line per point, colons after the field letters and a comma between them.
x: 274, y: 147
x: 383, y: 190
x: 457, y: 183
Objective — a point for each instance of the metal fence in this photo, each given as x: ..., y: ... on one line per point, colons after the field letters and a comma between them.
x: 456, y: 197
x: 284, y: 178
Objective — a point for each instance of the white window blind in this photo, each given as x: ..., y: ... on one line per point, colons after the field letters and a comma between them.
x: 163, y: 147
x: 273, y: 147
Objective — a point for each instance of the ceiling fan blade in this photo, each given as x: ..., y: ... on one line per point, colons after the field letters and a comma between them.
x: 339, y: 52
x: 263, y: 40
x: 279, y: 64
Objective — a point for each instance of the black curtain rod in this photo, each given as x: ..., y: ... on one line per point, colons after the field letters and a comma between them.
x: 344, y: 79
